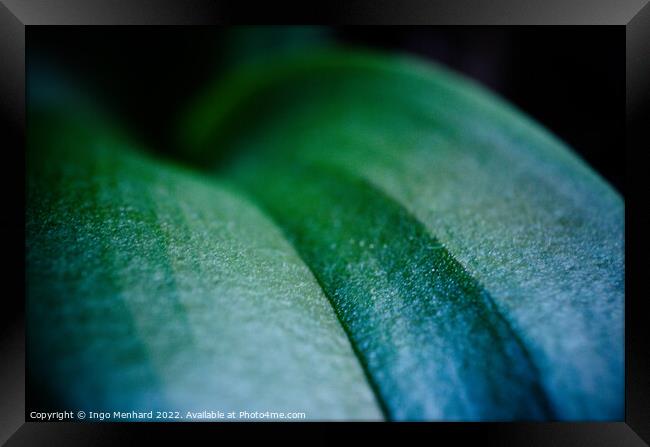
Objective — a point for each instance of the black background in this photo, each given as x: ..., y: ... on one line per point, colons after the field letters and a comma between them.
x: 569, y: 78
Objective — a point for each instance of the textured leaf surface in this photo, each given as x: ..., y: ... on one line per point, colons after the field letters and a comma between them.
x: 426, y: 331
x: 348, y: 152
x: 152, y: 288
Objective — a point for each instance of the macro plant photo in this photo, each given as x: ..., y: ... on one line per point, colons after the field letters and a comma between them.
x: 330, y: 224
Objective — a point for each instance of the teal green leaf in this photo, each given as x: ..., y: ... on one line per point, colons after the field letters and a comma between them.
x: 475, y: 262
x: 450, y: 356
x: 152, y: 288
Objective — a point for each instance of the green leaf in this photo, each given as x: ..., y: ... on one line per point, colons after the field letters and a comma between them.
x: 151, y: 288
x: 475, y: 262
x: 421, y: 251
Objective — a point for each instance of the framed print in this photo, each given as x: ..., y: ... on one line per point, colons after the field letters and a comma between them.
x: 347, y: 217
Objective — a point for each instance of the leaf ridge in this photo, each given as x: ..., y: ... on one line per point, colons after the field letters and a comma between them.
x: 402, y: 299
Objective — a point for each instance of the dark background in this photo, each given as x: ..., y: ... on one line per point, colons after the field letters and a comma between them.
x: 569, y: 78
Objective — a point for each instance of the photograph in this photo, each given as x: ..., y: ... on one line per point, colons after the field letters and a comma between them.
x: 325, y: 223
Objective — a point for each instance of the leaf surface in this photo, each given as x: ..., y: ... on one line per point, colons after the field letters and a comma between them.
x: 151, y: 288
x: 350, y: 151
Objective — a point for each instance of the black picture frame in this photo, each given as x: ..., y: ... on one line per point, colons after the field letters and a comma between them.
x: 17, y: 15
